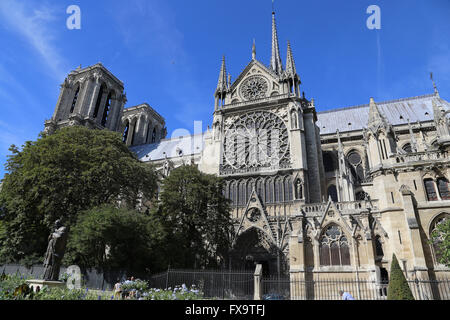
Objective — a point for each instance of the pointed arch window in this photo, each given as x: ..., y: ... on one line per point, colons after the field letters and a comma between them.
x: 148, y: 133
x: 269, y: 190
x: 106, y: 110
x: 241, y: 195
x: 443, y: 188
x: 334, y: 249
x: 378, y: 247
x: 328, y: 162
x: 430, y: 190
x: 356, y: 168
x: 233, y: 192
x: 260, y: 189
x: 154, y: 135
x: 75, y: 98
x: 125, y: 132
x: 298, y: 189
x: 133, y: 131
x: 288, y: 188
x: 249, y: 189
x: 438, y: 236
x: 99, y: 100
x: 278, y: 190
x: 332, y: 192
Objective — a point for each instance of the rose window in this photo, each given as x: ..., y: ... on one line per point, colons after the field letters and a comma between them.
x: 254, y: 87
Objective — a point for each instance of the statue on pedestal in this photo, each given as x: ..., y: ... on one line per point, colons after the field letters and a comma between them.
x: 55, y: 252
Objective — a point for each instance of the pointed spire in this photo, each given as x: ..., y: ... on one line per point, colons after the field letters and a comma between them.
x: 341, y: 156
x: 253, y: 50
x: 412, y: 138
x: 290, y: 64
x: 275, y: 61
x: 436, y: 92
x: 376, y: 120
x: 340, y: 148
x: 222, y: 82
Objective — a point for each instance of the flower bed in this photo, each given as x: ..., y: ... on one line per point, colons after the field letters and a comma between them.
x: 13, y: 287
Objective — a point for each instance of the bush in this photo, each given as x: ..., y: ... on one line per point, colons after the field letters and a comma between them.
x: 398, y: 286
x: 70, y: 294
x: 13, y: 287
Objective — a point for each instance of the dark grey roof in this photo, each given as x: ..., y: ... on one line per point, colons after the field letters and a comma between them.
x: 189, y: 145
x: 396, y: 112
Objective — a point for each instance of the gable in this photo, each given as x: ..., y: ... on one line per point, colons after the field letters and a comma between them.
x: 256, y: 70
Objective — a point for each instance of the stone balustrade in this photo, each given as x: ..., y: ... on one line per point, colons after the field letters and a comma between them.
x: 347, y: 207
x: 262, y: 100
x: 422, y: 156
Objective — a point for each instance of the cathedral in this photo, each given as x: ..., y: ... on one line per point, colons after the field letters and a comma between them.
x: 327, y: 194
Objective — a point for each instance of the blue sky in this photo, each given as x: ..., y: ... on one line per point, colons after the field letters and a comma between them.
x: 168, y: 53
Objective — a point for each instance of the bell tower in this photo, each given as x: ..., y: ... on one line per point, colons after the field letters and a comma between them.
x: 91, y: 97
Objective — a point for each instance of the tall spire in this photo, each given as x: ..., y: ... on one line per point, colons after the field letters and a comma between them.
x: 412, y: 138
x: 275, y: 60
x: 376, y: 119
x: 290, y: 64
x: 222, y: 82
x: 436, y: 92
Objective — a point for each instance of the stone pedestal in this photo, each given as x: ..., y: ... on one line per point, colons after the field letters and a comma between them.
x: 38, y: 283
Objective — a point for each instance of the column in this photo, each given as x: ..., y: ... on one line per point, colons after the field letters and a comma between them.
x: 82, y: 106
x: 91, y: 106
x: 102, y: 106
x: 61, y: 99
x: 414, y: 233
x: 145, y: 132
x: 112, y: 114
x: 116, y: 117
x: 132, y: 125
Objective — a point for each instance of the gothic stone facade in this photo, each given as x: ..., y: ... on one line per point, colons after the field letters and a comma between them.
x: 315, y: 194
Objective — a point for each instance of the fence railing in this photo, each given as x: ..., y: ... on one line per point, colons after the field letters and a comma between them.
x: 328, y: 289
x: 240, y: 284
x: 222, y: 284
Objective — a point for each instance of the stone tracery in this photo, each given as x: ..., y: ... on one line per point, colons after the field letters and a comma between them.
x: 255, y: 140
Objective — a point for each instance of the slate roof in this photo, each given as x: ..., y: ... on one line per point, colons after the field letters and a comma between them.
x: 415, y: 109
x: 188, y: 145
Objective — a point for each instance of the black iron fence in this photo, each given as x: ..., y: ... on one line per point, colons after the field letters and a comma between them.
x: 240, y: 284
x: 281, y: 287
x: 221, y: 284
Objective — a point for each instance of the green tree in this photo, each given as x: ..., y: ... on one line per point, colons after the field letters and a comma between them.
x: 440, y: 238
x: 196, y: 218
x: 58, y: 176
x: 108, y: 238
x: 398, y: 286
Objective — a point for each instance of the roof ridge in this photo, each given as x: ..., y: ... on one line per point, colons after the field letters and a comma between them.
x: 378, y: 103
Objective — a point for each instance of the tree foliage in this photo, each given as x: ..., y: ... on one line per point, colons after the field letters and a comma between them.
x: 196, y: 218
x: 109, y: 238
x: 398, y: 286
x: 58, y: 176
x: 441, y: 237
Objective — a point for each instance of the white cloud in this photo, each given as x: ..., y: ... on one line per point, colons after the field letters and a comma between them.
x: 33, y: 23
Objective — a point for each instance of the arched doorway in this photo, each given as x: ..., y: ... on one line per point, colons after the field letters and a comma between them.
x: 254, y: 247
